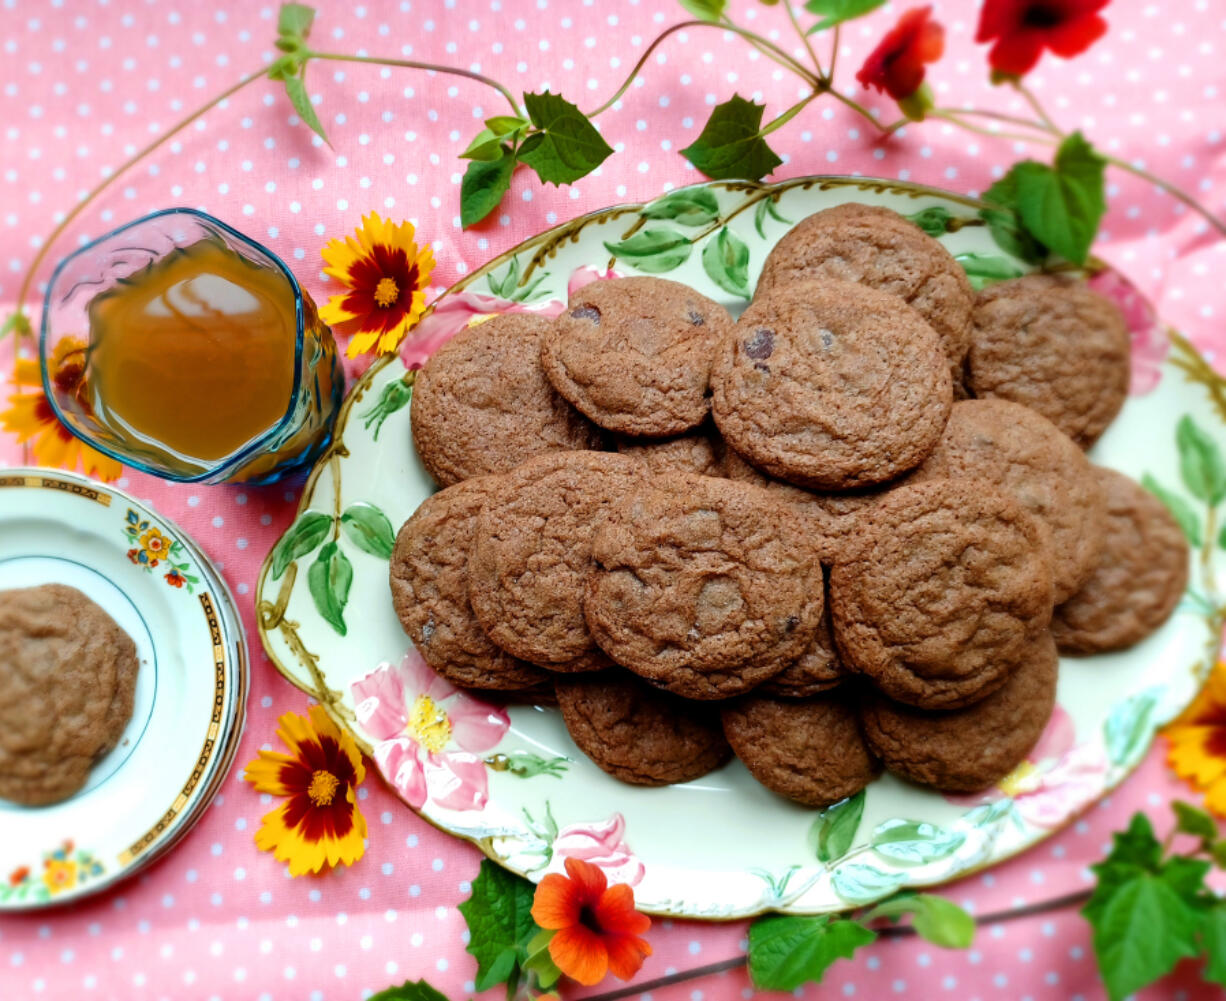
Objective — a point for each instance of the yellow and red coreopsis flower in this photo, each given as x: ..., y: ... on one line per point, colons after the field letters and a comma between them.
x: 31, y: 418
x: 386, y: 275
x: 319, y: 824
x: 1198, y: 742
x: 597, y: 927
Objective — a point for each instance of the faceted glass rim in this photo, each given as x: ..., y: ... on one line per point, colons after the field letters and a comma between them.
x: 248, y: 452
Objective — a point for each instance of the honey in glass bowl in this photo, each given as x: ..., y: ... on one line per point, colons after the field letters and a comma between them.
x: 202, y: 357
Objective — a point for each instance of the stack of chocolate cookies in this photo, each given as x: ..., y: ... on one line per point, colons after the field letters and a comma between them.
x: 851, y: 529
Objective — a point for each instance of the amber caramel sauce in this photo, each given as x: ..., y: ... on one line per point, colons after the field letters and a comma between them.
x: 193, y: 356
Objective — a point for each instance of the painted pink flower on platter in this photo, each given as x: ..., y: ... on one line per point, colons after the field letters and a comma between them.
x: 1150, y: 342
x: 603, y: 844
x: 1057, y: 778
x: 429, y: 736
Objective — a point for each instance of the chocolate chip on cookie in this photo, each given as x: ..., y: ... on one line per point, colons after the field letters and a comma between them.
x: 968, y: 749
x: 1026, y: 455
x: 942, y: 591
x: 429, y: 580
x: 878, y: 247
x: 482, y: 403
x: 817, y: 670
x: 1138, y: 579
x: 638, y: 733
x: 810, y: 750
x: 831, y: 385
x: 533, y: 551
x: 1054, y: 345
x: 703, y: 586
x: 634, y: 354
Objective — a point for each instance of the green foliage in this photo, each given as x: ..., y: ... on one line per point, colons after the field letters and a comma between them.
x: 369, y: 529
x: 395, y: 396
x: 294, y: 20
x: 705, y: 10
x: 298, y: 97
x: 834, y: 12
x: 731, y: 144
x: 410, y: 990
x: 1200, y: 462
x: 1005, y: 223
x: 786, y: 951
x: 566, y: 146
x: 1180, y: 509
x: 987, y: 269
x: 1127, y: 729
x: 653, y: 250
x: 688, y: 207
x: 1213, y: 931
x: 484, y: 184
x: 17, y: 323
x: 488, y: 143
x: 913, y: 842
x: 860, y: 883
x: 834, y: 829
x: 304, y: 536
x: 329, y: 579
x: 508, y: 287
x: 726, y: 262
x: 933, y: 220
x: 1062, y: 205
x: 767, y: 207
x: 939, y: 921
x: 498, y: 913
x: 1192, y: 820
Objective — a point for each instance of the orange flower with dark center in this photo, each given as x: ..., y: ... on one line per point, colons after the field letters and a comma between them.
x: 597, y: 926
x: 1198, y: 742
x: 896, y: 66
x: 1021, y: 29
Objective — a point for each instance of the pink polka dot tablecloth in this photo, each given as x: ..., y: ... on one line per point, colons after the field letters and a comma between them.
x: 84, y: 83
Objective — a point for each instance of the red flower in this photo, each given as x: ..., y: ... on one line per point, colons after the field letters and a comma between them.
x: 134, y: 555
x: 174, y: 579
x: 18, y: 875
x: 1022, y: 29
x: 896, y: 66
x: 597, y: 925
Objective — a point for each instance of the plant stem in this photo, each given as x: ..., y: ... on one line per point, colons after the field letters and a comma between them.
x: 1033, y: 101
x: 834, y: 53
x: 1175, y: 192
x: 771, y: 50
x: 951, y: 116
x: 413, y: 64
x: 999, y: 116
x: 792, y: 112
x: 817, y: 65
x: 24, y: 290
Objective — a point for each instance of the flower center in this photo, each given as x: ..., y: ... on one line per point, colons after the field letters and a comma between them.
x: 1041, y: 15
x: 429, y: 724
x: 323, y: 787
x: 386, y: 292
x: 587, y: 918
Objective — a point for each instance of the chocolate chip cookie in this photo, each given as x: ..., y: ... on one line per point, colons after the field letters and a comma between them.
x: 482, y: 404
x: 706, y: 587
x: 1054, y: 345
x: 429, y: 580
x: 699, y: 451
x: 1026, y: 455
x: 878, y: 247
x: 831, y: 385
x: 634, y: 354
x: 67, y: 682
x: 968, y: 749
x: 1139, y: 577
x: 817, y: 670
x: 638, y: 733
x: 942, y: 591
x: 533, y: 551
x: 810, y: 751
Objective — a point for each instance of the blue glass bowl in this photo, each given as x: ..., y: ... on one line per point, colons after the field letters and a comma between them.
x: 293, y: 443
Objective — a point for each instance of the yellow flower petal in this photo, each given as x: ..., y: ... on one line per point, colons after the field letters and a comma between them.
x: 1215, y: 798
x: 264, y: 773
x: 333, y: 311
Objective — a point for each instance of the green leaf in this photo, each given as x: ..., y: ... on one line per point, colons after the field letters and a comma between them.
x: 654, y: 250
x: 304, y: 535
x: 368, y: 528
x: 483, y: 186
x: 1221, y: 539
x: 295, y: 20
x: 1200, y: 462
x: 1005, y: 223
x: 410, y: 990
x: 705, y: 10
x: 767, y: 206
x: 1063, y: 204
x: 485, y: 146
x: 689, y: 207
x: 1213, y: 939
x: 329, y: 579
x: 539, y: 961
x: 1180, y: 509
x: 1127, y: 729
x: 726, y: 262
x: 17, y: 323
x: 298, y: 97
x: 913, y: 842
x: 835, y: 12
x: 1193, y: 820
x: 933, y: 220
x: 500, y: 971
x: 731, y: 144
x: 506, y: 125
x: 498, y: 913
x: 834, y: 830
x: 787, y: 951
x: 858, y: 883
x: 567, y: 147
x: 939, y: 921
x: 395, y: 396
x: 987, y: 269
x: 1140, y: 932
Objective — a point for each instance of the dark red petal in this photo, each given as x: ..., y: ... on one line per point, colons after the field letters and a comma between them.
x: 1074, y: 37
x: 1016, y: 54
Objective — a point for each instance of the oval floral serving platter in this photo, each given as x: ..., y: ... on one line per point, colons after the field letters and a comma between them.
x: 190, y: 691
x: 510, y: 780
